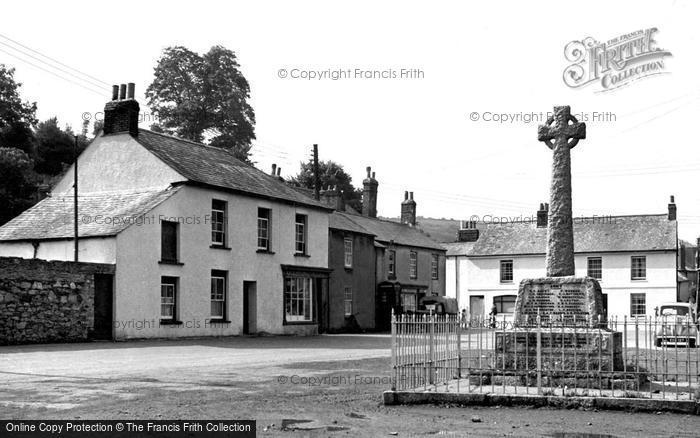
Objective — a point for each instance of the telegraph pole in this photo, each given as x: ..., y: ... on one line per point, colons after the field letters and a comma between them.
x: 75, y: 198
x: 317, y: 177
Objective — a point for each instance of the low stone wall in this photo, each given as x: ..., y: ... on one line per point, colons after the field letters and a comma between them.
x: 47, y: 301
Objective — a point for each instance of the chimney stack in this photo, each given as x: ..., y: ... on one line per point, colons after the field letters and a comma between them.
x: 672, y: 209
x: 369, y: 194
x: 467, y: 232
x: 121, y: 114
x: 333, y: 198
x: 542, y: 215
x: 408, y: 209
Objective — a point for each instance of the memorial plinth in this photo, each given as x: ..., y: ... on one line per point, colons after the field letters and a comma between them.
x: 559, y: 301
x: 560, y: 319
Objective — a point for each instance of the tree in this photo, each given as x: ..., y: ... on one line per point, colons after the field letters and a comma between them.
x: 54, y: 147
x: 201, y: 97
x: 17, y: 117
x: 17, y: 185
x: 330, y: 174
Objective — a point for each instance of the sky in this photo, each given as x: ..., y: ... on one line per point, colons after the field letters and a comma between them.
x: 417, y: 132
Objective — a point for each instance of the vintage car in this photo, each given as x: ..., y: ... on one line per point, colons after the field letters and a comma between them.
x: 438, y: 305
x: 676, y: 326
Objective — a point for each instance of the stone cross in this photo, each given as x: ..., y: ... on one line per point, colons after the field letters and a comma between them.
x: 561, y: 133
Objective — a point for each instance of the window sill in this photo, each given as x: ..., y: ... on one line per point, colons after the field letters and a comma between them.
x: 392, y: 277
x: 170, y: 322
x: 348, y: 268
x: 219, y: 321
x: 264, y: 251
x: 170, y: 262
x: 300, y: 323
x: 220, y: 247
x: 299, y: 254
x: 507, y: 282
x: 639, y: 280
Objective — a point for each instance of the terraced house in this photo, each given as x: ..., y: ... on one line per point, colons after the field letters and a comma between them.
x: 633, y: 257
x: 378, y: 265
x: 202, y: 243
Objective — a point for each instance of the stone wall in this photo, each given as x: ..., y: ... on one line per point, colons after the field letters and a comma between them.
x: 47, y: 301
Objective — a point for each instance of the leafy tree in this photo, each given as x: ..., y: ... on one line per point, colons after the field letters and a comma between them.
x: 16, y: 116
x: 54, y: 147
x: 200, y: 97
x: 18, y: 183
x: 330, y: 174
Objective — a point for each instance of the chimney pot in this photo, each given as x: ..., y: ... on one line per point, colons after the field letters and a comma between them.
x: 672, y: 209
x: 369, y: 170
x: 121, y: 115
x: 274, y: 169
x: 130, y: 89
x: 279, y: 170
x: 410, y: 195
x: 374, y: 174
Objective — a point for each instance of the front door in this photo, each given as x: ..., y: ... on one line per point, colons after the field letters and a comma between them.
x: 476, y: 307
x: 249, y: 307
x: 104, y: 294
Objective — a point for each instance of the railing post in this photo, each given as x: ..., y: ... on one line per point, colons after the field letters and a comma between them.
x: 459, y: 352
x: 431, y: 350
x: 393, y: 351
x: 539, y: 354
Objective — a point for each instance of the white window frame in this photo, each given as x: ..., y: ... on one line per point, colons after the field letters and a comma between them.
x: 300, y: 234
x: 347, y: 300
x: 634, y: 305
x: 218, y: 224
x: 391, y: 257
x: 218, y: 296
x: 413, y: 265
x: 264, y: 233
x: 502, y: 272
x: 347, y: 252
x: 600, y: 268
x: 643, y: 268
x: 435, y: 267
x: 168, y: 300
x: 299, y: 299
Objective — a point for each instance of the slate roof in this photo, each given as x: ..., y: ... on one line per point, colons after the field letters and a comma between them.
x: 52, y: 218
x: 217, y: 167
x: 387, y: 231
x: 343, y: 221
x: 591, y: 235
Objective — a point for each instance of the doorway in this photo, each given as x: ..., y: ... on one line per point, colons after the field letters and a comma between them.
x: 249, y: 307
x: 104, y: 296
x: 476, y: 306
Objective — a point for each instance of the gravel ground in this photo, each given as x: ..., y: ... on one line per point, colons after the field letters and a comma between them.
x: 293, y: 386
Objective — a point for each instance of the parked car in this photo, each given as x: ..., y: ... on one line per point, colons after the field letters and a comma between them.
x: 438, y: 305
x: 677, y: 325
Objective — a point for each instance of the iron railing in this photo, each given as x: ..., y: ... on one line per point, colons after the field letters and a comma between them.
x: 653, y: 357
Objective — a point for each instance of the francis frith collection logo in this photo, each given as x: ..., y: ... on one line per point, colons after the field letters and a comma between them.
x: 614, y: 63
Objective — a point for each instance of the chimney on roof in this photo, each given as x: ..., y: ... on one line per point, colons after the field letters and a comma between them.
x: 121, y: 114
x: 369, y: 194
x: 467, y: 231
x: 279, y: 173
x: 542, y: 215
x: 672, y: 209
x: 274, y: 169
x: 408, y: 209
x: 333, y: 198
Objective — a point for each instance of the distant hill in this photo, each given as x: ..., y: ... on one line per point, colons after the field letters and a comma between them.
x: 440, y: 230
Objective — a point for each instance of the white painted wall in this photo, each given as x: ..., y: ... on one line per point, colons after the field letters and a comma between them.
x: 93, y: 249
x: 108, y: 164
x: 480, y: 276
x: 138, y: 271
